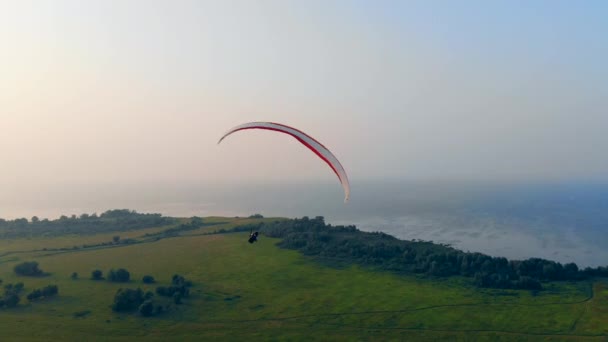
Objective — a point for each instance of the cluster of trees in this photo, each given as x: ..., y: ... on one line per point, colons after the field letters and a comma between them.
x: 179, y: 289
x: 46, y: 292
x: 347, y: 244
x: 129, y: 299
x: 119, y: 276
x: 111, y: 220
x: 11, y: 296
x: 126, y: 300
x: 28, y: 268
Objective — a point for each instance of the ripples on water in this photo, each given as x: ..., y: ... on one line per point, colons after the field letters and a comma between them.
x: 563, y: 222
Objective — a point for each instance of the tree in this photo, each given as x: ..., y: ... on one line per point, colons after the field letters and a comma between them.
x: 74, y: 276
x: 146, y: 308
x: 148, y: 279
x: 97, y: 275
x: 177, y: 298
x: 11, y: 300
x: 571, y: 270
x: 116, y: 238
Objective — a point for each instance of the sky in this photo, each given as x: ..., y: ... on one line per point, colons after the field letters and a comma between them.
x: 127, y: 91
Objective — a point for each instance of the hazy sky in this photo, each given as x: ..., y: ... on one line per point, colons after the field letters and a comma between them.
x: 142, y: 90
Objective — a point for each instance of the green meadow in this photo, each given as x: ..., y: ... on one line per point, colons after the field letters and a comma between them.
x: 245, y: 291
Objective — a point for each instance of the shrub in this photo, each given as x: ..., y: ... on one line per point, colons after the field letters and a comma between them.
x: 148, y: 279
x: 50, y: 290
x: 80, y: 314
x: 97, y: 275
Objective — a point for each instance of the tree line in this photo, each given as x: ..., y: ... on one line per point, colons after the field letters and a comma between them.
x: 348, y: 244
x: 111, y: 220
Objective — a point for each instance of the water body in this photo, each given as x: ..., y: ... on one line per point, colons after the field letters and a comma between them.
x: 563, y: 222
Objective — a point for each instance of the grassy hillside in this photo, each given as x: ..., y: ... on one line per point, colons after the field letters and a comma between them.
x: 259, y: 291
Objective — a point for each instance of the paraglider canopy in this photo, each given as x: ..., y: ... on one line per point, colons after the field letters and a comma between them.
x: 315, y: 146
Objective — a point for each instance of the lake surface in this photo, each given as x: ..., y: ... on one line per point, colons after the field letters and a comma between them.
x: 562, y: 222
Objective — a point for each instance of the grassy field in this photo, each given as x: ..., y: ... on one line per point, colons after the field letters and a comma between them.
x: 261, y: 292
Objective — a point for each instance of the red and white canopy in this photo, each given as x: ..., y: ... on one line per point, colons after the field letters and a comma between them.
x: 306, y: 140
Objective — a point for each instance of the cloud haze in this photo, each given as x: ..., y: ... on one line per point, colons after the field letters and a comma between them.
x: 142, y: 90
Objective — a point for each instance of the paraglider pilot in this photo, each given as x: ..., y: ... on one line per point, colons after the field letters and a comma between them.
x: 253, y: 237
